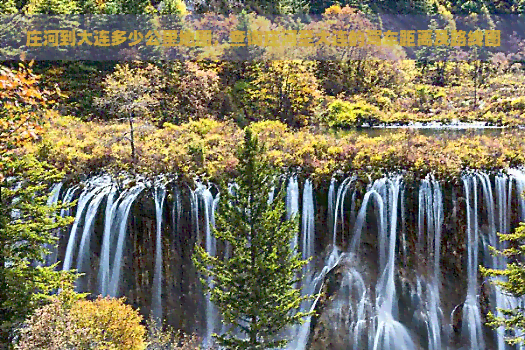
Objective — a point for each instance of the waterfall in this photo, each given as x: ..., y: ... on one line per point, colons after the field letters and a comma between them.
x: 431, y: 209
x: 311, y: 283
x: 121, y: 223
x: 160, y: 195
x: 519, y: 178
x: 389, y: 334
x: 89, y: 220
x: 364, y: 309
x: 331, y: 195
x: 307, y: 238
x: 501, y: 300
x: 308, y: 222
x: 503, y: 191
x: 54, y: 196
x: 356, y: 295
x: 68, y: 197
x: 361, y: 217
x: 176, y: 217
x: 339, y: 206
x: 209, y: 205
x: 104, y: 264
x: 307, y: 251
x: 300, y: 341
x: 471, y: 311
x: 292, y: 203
x: 85, y: 197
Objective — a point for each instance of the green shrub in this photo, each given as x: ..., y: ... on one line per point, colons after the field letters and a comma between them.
x: 508, y: 105
x: 428, y: 97
x: 362, y: 75
x: 344, y: 114
x: 53, y: 7
x: 518, y: 104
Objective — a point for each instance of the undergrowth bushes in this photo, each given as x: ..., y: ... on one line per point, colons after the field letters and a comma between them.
x: 297, y: 92
x: 206, y: 147
x: 508, y: 105
x: 344, y: 114
x: 70, y: 322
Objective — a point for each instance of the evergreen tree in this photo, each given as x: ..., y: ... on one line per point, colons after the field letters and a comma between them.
x: 27, y: 224
x: 512, y: 282
x: 254, y: 289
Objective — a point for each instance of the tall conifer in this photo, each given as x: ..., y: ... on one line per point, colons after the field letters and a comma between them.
x: 255, y: 289
x: 511, y: 280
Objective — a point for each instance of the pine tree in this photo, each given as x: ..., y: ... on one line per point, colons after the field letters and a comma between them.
x: 27, y: 224
x: 512, y: 282
x: 254, y: 289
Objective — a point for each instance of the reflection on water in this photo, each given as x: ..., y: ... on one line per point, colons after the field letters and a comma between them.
x: 429, y: 129
x: 449, y: 132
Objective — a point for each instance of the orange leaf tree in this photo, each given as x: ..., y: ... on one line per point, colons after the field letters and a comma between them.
x: 23, y: 105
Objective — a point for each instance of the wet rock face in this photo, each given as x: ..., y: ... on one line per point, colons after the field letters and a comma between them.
x: 336, y: 310
x: 333, y: 328
x: 322, y: 333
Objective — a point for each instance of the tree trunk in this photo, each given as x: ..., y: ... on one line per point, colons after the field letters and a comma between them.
x: 132, y: 140
x: 476, y: 85
x: 3, y: 288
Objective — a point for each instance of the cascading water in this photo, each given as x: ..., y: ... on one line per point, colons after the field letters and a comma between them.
x: 365, y: 307
x: 500, y: 224
x: 52, y: 257
x: 54, y: 196
x: 300, y: 340
x: 156, y: 308
x: 84, y: 246
x: 307, y: 251
x: 292, y: 203
x: 389, y: 334
x: 431, y: 214
x: 308, y: 222
x: 84, y: 199
x: 121, y: 223
x: 472, y: 330
x: 104, y: 265
x: 339, y: 206
x: 209, y: 205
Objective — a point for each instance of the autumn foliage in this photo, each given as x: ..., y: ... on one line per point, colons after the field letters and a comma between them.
x: 22, y: 104
x: 104, y: 323
x: 23, y: 108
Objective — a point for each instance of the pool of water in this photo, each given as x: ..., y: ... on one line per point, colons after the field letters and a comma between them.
x: 426, y: 129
